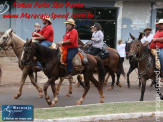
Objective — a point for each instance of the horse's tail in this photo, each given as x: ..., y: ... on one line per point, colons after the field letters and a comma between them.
x: 101, y: 71
x: 120, y: 67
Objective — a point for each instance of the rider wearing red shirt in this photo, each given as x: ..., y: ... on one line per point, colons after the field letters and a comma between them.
x: 70, y: 41
x: 158, y: 40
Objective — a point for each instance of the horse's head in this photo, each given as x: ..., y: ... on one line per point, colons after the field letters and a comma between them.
x: 28, y: 53
x: 6, y: 39
x: 135, y: 47
x: 127, y: 48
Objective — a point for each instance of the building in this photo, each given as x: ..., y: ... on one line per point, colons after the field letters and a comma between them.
x: 117, y: 17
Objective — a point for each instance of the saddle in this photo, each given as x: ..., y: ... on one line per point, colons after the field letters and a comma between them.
x: 103, y: 54
x: 77, y: 60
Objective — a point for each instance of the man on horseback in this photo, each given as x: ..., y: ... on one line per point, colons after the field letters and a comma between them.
x: 146, y: 40
x: 70, y: 42
x: 45, y: 37
x: 47, y: 33
x: 158, y: 43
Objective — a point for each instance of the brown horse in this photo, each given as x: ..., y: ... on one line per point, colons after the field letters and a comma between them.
x: 112, y: 65
x: 11, y: 39
x: 53, y: 69
x: 146, y: 65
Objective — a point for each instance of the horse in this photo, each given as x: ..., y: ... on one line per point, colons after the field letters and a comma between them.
x: 146, y: 65
x: 112, y: 65
x: 53, y: 69
x: 11, y: 39
x: 133, y: 63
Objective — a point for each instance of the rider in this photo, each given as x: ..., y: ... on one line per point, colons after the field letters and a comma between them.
x: 47, y: 33
x: 146, y: 40
x: 121, y: 50
x: 36, y: 33
x: 45, y: 37
x: 70, y: 42
x: 97, y: 39
x: 158, y: 41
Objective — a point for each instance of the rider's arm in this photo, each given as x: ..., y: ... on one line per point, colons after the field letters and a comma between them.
x: 158, y: 39
x: 39, y: 38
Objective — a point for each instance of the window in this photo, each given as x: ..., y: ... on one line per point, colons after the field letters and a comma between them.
x: 105, y: 16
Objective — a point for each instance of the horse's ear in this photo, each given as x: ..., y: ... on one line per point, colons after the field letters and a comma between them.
x: 132, y: 36
x: 29, y: 41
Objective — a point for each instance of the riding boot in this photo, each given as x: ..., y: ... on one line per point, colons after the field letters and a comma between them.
x: 157, y: 61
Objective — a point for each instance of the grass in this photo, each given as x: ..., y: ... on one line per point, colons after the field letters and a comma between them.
x: 99, y: 109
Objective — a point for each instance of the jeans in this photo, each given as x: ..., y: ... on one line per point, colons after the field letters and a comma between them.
x: 161, y: 59
x: 46, y: 43
x: 70, y: 55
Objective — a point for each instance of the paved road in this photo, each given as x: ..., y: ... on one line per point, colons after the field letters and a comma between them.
x: 30, y: 95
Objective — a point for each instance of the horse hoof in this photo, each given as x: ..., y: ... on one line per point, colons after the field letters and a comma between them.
x: 67, y: 95
x: 41, y: 96
x: 102, y: 101
x: 70, y: 92
x: 78, y: 103
x: 15, y: 98
x: 128, y: 86
x: 119, y: 85
x: 110, y: 88
x: 52, y: 105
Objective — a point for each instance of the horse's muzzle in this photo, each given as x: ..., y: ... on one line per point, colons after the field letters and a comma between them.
x: 23, y: 62
x: 131, y: 55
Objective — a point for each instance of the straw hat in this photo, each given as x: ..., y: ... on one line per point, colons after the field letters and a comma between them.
x: 48, y: 19
x: 147, y: 28
x: 160, y: 21
x: 70, y: 21
x: 37, y: 24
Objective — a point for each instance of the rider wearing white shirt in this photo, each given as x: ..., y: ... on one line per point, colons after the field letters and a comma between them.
x: 121, y: 50
x: 146, y: 40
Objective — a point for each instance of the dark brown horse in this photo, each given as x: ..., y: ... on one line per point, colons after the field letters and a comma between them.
x: 53, y: 69
x: 146, y: 65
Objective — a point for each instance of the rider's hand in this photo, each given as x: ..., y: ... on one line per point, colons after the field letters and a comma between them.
x: 60, y: 43
x: 33, y: 38
x: 155, y: 39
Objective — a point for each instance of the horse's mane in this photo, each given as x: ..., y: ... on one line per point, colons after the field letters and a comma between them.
x: 45, y: 51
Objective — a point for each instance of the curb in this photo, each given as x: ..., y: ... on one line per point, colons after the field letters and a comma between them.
x: 120, y: 116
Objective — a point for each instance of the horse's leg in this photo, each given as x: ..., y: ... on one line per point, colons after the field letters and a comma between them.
x: 35, y: 84
x: 55, y: 100
x: 128, y: 74
x: 70, y: 87
x: 113, y: 81
x: 118, y: 83
x: 24, y: 76
x: 142, y: 89
x: 106, y: 80
x: 100, y: 89
x: 47, y: 98
x: 139, y: 84
x: 59, y: 84
x: 86, y: 88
